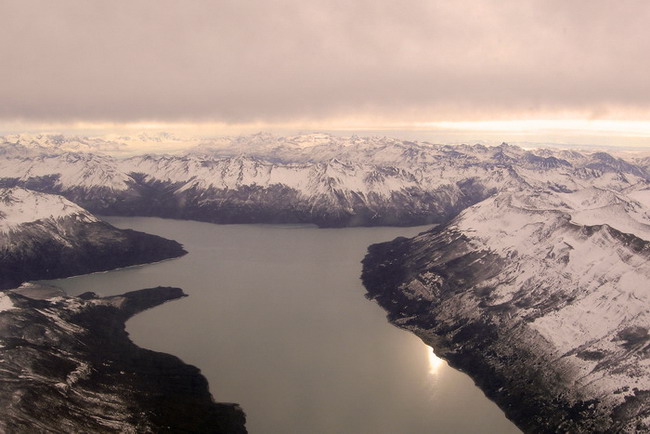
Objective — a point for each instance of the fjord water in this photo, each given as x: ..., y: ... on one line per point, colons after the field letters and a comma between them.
x: 276, y: 319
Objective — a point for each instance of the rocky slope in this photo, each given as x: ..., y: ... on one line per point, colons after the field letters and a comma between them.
x: 44, y: 236
x: 68, y: 366
x: 315, y: 178
x: 66, y: 362
x: 542, y: 297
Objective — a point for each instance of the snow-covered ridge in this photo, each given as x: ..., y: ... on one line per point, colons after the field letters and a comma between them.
x: 371, y: 180
x: 110, y: 144
x: 161, y: 142
x: 213, y: 163
x: 69, y: 169
x: 598, y: 270
x: 586, y: 207
x: 45, y: 236
x: 310, y: 179
x: 37, y: 144
x: 546, y: 291
x: 19, y: 206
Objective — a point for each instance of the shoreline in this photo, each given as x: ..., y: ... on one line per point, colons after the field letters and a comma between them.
x: 73, y: 356
x: 510, y: 364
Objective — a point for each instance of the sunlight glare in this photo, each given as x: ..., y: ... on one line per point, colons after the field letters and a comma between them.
x: 435, y: 362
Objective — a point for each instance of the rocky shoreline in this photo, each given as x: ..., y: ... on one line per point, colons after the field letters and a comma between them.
x: 69, y: 365
x: 442, y: 286
x: 67, y: 247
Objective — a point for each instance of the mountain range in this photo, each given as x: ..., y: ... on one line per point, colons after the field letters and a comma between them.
x: 317, y: 178
x: 534, y: 282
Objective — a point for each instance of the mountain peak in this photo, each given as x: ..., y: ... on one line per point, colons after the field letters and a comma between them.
x: 19, y: 205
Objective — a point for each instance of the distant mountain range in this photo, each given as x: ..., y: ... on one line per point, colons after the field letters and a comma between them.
x: 316, y: 178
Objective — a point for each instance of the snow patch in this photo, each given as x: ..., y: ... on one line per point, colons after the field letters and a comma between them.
x: 5, y: 302
x: 19, y: 206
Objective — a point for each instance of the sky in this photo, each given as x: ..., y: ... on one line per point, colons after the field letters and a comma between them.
x: 546, y: 71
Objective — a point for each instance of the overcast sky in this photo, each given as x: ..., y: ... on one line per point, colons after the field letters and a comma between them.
x: 326, y: 63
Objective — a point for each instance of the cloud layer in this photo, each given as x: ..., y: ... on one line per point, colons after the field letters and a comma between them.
x: 259, y: 60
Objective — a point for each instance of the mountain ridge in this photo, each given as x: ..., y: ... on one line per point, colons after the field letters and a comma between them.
x: 43, y: 236
x: 547, y: 315
x: 331, y: 181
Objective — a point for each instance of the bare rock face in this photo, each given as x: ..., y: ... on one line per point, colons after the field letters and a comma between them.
x: 548, y: 314
x: 69, y: 366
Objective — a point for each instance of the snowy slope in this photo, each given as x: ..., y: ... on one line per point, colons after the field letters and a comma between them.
x: 19, y: 206
x: 540, y: 298
x: 30, y: 144
x: 66, y: 170
x: 47, y: 236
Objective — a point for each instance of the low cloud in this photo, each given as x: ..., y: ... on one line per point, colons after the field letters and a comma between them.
x: 286, y: 60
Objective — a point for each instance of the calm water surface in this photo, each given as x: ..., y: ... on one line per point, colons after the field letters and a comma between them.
x: 277, y: 321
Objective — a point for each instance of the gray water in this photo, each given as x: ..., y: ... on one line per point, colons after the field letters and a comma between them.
x: 276, y: 319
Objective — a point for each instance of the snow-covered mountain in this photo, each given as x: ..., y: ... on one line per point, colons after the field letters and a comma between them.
x: 19, y: 206
x: 46, y: 236
x: 535, y: 283
x: 35, y: 144
x: 541, y: 296
x: 316, y: 178
x: 113, y: 144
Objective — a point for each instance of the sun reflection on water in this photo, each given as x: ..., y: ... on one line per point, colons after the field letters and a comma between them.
x: 435, y: 362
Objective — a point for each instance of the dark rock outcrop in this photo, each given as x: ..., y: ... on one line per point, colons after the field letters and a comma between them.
x: 547, y: 316
x: 68, y: 365
x: 50, y: 249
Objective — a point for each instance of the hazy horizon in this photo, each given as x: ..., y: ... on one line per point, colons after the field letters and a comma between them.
x: 165, y: 142
x: 529, y: 71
